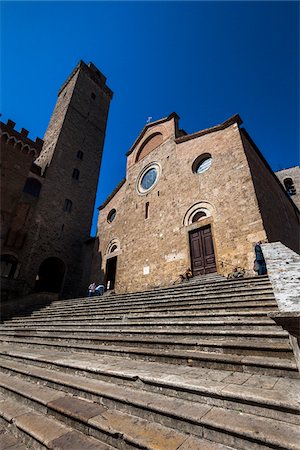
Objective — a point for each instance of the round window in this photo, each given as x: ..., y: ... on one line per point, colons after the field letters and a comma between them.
x: 202, y: 163
x: 148, y: 178
x: 111, y: 215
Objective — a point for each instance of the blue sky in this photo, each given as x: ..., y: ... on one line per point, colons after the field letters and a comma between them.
x: 204, y: 60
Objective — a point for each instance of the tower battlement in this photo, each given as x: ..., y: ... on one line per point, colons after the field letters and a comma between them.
x: 93, y: 72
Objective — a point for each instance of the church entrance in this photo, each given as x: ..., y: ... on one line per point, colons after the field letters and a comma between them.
x: 111, y: 269
x: 202, y: 251
x: 51, y: 275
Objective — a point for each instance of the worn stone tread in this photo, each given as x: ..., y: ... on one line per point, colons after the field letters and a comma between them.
x: 134, y: 430
x: 285, y: 400
x: 48, y: 431
x: 279, y: 346
x: 267, y: 431
x: 246, y: 426
x: 190, y: 355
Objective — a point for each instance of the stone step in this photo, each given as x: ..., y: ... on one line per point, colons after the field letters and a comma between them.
x: 246, y: 305
x: 194, y: 298
x: 182, y: 288
x: 259, y: 317
x: 240, y: 346
x: 275, y: 333
x: 240, y: 363
x: 31, y: 429
x: 194, y: 383
x: 117, y: 428
x: 230, y: 427
x: 262, y: 324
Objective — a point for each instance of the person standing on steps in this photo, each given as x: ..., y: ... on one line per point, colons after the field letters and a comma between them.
x: 100, y: 289
x: 259, y: 258
x: 92, y: 288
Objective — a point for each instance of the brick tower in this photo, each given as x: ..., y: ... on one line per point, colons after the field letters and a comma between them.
x: 70, y: 163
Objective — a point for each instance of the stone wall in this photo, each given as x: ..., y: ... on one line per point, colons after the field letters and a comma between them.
x: 279, y: 213
x: 294, y: 173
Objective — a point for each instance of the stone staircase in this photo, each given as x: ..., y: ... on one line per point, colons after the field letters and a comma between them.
x: 197, y: 366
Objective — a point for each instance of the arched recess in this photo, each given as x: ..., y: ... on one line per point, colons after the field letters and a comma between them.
x: 197, y: 212
x: 113, y: 246
x: 50, y: 275
x: 148, y: 145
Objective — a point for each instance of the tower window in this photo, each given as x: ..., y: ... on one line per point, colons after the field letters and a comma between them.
x: 93, y: 95
x: 32, y: 187
x: 75, y: 174
x: 80, y: 154
x: 147, y: 210
x: 68, y: 205
x: 289, y: 186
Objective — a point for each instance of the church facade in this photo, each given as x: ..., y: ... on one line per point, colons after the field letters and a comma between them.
x: 197, y: 200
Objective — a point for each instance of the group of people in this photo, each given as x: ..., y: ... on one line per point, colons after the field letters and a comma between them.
x: 96, y: 290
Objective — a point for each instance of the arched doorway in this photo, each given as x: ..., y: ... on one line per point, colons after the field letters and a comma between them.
x: 51, y: 275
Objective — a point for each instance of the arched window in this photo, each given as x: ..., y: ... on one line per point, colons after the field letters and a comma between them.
x: 75, y: 174
x: 68, y: 205
x: 80, y: 155
x: 114, y: 248
x: 289, y: 186
x: 32, y: 187
x: 8, y: 266
x: 199, y: 215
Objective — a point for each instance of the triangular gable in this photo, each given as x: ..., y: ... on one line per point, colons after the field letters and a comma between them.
x: 147, y: 127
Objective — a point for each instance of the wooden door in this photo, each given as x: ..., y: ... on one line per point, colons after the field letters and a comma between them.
x: 202, y: 251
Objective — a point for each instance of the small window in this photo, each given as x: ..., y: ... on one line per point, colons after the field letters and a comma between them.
x: 93, y: 95
x: 289, y: 186
x: 199, y: 215
x: 8, y: 266
x: 32, y: 187
x: 111, y: 215
x: 80, y: 155
x: 147, y: 210
x: 75, y: 174
x: 113, y: 249
x: 202, y: 163
x: 68, y: 205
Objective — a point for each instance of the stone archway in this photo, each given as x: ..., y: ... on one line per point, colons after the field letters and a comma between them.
x: 50, y: 275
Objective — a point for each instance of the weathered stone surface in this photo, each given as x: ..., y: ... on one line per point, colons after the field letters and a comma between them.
x: 76, y: 407
x: 241, y: 424
x: 77, y: 441
x: 12, y: 409
x: 41, y: 427
x: 284, y: 273
x: 153, y: 435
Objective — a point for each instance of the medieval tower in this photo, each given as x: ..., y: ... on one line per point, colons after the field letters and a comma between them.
x: 69, y: 167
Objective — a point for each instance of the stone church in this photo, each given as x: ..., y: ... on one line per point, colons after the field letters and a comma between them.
x: 196, y: 200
